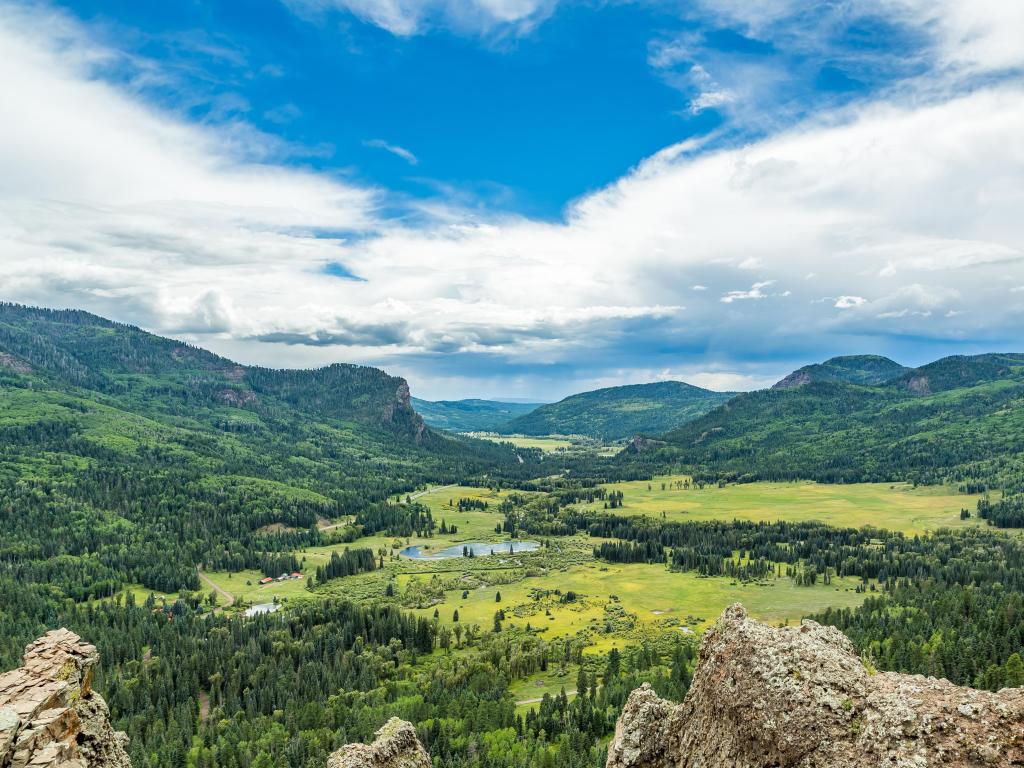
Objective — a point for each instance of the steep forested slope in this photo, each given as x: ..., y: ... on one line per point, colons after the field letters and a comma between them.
x: 619, y: 412
x: 470, y: 415
x: 126, y: 456
x: 960, y: 418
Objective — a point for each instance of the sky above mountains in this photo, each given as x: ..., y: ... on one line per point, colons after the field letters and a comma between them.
x: 522, y: 197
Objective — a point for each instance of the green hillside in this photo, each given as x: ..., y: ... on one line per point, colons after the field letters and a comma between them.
x: 470, y: 415
x: 854, y: 369
x: 620, y: 412
x: 959, y: 418
x: 125, y: 456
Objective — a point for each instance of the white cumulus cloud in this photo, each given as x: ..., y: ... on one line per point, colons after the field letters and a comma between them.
x: 909, y: 211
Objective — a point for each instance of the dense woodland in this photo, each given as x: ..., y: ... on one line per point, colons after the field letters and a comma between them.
x: 135, y: 458
x: 130, y: 459
x: 197, y: 688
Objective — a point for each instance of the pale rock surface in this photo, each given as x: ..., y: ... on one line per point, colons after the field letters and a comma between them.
x: 49, y: 715
x: 800, y: 697
x: 395, y: 746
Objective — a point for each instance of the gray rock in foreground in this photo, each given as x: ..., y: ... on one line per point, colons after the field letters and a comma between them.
x: 49, y: 715
x: 395, y: 746
x: 765, y: 697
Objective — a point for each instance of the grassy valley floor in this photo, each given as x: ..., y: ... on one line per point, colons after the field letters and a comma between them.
x: 653, y: 593
x: 894, y: 506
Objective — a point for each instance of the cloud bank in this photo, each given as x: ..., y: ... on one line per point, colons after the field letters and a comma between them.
x: 890, y: 227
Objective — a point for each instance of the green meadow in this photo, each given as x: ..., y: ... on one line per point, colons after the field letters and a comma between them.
x: 658, y: 599
x: 546, y: 444
x: 895, y: 506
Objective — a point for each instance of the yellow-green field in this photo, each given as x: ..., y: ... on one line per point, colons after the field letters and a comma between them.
x: 546, y: 444
x: 443, y: 503
x: 141, y: 594
x: 896, y: 506
x: 656, y: 595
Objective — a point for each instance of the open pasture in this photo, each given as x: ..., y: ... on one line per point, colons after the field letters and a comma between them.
x: 546, y: 444
x: 658, y: 597
x: 246, y: 588
x: 895, y: 506
x: 443, y: 503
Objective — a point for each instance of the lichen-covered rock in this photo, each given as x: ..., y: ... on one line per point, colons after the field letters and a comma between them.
x: 49, y: 715
x: 395, y: 746
x: 800, y: 697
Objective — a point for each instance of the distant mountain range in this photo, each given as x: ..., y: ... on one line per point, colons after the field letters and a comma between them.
x: 960, y: 416
x: 470, y: 415
x: 619, y: 412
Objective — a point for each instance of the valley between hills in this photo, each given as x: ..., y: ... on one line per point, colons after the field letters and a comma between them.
x: 274, y: 562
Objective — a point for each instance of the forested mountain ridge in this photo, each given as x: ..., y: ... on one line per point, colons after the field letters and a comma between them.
x: 960, y: 371
x: 127, y: 457
x: 71, y: 347
x: 619, y: 412
x: 855, y: 369
x: 958, y: 418
x: 472, y: 415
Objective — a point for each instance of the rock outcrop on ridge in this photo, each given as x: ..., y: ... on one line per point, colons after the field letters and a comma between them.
x: 395, y: 746
x: 49, y: 715
x: 765, y: 697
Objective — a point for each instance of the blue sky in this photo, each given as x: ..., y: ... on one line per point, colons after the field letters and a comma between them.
x: 519, y: 122
x: 522, y: 197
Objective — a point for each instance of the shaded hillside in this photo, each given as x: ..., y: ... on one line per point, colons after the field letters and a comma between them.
x: 127, y: 456
x: 620, y: 412
x: 76, y: 349
x: 956, y: 418
x: 470, y: 415
x: 854, y: 369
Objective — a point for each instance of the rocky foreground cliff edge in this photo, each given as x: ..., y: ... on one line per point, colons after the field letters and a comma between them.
x: 801, y: 697
x: 761, y: 697
x: 49, y: 715
x: 395, y: 746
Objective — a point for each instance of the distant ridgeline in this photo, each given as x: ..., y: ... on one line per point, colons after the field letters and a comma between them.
x: 470, y: 415
x: 127, y: 457
x: 616, y: 413
x: 854, y: 419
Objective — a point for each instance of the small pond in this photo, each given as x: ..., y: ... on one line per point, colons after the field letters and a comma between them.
x: 479, y: 550
x: 256, y: 610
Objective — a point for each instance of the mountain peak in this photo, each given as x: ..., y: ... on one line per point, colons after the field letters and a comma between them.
x: 853, y: 369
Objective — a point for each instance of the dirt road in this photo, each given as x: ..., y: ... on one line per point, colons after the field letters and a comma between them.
x: 222, y: 592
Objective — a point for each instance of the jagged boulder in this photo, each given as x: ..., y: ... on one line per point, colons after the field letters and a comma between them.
x: 765, y: 697
x: 395, y: 746
x: 49, y: 715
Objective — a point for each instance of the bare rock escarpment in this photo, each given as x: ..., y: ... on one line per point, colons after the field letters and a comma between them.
x: 49, y: 715
x: 800, y: 696
x: 395, y: 746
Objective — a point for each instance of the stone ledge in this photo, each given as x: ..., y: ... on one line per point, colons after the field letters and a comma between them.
x: 49, y: 715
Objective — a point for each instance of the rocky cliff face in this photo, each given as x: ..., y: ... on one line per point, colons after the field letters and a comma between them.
x: 395, y: 746
x: 49, y: 715
x: 800, y: 696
